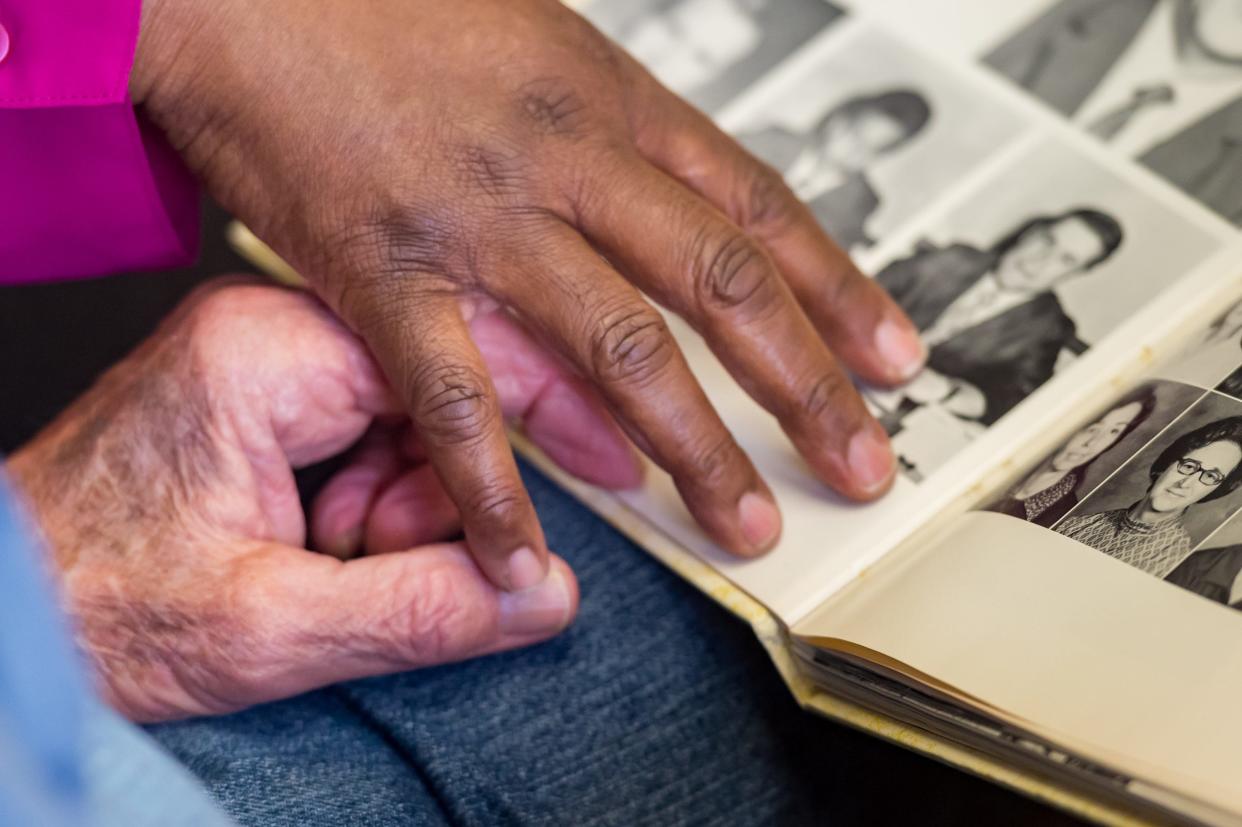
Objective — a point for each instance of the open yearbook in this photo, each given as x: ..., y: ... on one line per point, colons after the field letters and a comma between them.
x: 1051, y: 596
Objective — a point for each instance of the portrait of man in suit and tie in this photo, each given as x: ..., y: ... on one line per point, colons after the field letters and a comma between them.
x: 1062, y: 55
x: 990, y: 317
x: 1205, y: 160
x: 1129, y: 70
x: 995, y: 328
x: 827, y: 165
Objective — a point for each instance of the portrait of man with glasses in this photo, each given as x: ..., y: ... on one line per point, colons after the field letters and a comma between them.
x: 1160, y: 529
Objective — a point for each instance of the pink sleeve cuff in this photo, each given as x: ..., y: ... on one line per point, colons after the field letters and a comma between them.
x: 88, y: 188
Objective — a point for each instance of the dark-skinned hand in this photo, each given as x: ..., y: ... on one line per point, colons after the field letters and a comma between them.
x: 421, y: 162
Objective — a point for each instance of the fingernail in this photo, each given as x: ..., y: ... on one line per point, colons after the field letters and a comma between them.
x: 543, y: 609
x: 761, y: 520
x: 900, y: 345
x: 871, y: 459
x: 525, y: 570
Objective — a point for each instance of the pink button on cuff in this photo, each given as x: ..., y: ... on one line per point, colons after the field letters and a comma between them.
x: 4, y: 43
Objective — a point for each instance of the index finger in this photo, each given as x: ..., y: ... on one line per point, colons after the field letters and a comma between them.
x: 423, y: 344
x: 855, y: 316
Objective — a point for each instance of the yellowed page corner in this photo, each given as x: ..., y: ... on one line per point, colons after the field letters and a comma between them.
x: 1075, y: 645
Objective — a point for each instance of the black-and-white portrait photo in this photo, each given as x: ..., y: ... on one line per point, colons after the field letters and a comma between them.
x: 1232, y: 384
x: 1158, y: 507
x: 1128, y: 71
x: 870, y: 132
x: 708, y: 51
x: 1214, y: 571
x: 1205, y: 160
x: 1063, y: 54
x: 1212, y: 356
x: 827, y: 166
x: 1016, y: 283
x: 1055, y: 486
x: 991, y: 315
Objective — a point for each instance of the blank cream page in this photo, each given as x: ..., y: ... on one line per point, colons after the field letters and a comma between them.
x: 1080, y: 647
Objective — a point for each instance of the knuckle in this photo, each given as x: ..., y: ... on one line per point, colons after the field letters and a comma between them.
x: 408, y: 238
x: 219, y: 296
x: 712, y: 463
x: 590, y: 186
x: 500, y: 171
x: 453, y: 403
x: 374, y: 307
x: 224, y: 321
x: 823, y: 395
x: 417, y: 242
x: 554, y: 106
x: 768, y: 206
x: 733, y: 274
x: 215, y: 310
x: 632, y: 346
x: 496, y: 502
x: 433, y: 623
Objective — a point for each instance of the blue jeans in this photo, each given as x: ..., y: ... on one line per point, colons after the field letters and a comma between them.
x: 656, y: 707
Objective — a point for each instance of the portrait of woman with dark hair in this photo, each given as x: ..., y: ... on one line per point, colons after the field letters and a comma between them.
x: 1199, y: 466
x: 1050, y: 491
x: 827, y: 166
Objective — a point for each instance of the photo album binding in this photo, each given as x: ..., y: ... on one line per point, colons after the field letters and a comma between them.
x: 1052, y: 190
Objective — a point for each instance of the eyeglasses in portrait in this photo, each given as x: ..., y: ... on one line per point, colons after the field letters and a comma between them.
x: 1162, y: 504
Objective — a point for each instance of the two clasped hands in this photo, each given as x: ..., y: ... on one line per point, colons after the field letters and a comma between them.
x: 483, y: 195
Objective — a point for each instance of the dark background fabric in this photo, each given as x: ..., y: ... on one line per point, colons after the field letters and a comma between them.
x: 656, y: 707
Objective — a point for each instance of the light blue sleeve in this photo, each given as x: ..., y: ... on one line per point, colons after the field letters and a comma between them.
x: 65, y: 759
x: 132, y: 782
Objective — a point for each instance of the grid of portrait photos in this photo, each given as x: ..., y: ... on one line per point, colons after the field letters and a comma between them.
x: 1160, y: 80
x: 1155, y: 478
x: 975, y: 188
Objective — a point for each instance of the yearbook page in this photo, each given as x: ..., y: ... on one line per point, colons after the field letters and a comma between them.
x: 1097, y: 598
x: 1043, y: 241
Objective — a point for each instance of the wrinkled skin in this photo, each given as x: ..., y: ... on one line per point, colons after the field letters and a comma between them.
x: 167, y: 501
x: 421, y: 161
